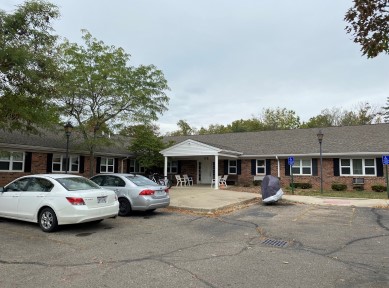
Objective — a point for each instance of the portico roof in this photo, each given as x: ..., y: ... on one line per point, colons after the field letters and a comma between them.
x: 192, y: 148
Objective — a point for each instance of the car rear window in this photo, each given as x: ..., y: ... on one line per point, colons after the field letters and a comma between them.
x: 140, y: 180
x: 77, y: 183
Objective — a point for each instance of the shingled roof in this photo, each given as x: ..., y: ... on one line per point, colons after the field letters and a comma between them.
x: 55, y: 140
x: 347, y: 140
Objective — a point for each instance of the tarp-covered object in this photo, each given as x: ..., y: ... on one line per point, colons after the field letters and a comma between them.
x: 271, y: 189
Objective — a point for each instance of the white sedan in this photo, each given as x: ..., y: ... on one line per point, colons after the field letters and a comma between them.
x: 56, y: 199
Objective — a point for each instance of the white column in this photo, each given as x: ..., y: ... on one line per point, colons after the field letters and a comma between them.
x: 216, y: 171
x: 165, y: 168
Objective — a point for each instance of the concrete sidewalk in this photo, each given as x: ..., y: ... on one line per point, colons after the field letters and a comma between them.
x: 207, y: 199
x: 356, y: 202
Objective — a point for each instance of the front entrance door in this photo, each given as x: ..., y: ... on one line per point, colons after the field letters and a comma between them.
x: 205, y: 172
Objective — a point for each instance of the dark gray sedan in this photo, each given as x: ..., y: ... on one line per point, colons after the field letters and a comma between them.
x: 135, y: 192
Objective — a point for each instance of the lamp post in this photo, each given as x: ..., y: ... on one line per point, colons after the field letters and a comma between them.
x: 68, y: 130
x: 320, y: 138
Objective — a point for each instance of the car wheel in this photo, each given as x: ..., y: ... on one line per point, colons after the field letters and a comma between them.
x: 124, y: 207
x: 48, y: 220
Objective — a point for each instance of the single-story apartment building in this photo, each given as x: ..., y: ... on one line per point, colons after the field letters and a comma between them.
x: 23, y: 154
x: 350, y: 155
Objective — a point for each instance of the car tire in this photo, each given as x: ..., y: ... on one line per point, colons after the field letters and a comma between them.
x: 124, y: 207
x: 48, y: 220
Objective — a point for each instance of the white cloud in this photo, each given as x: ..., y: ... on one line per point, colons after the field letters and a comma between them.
x: 227, y: 60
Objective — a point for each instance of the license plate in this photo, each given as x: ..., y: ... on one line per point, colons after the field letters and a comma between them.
x: 159, y: 192
x: 102, y: 199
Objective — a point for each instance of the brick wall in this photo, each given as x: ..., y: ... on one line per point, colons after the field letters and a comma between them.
x: 39, y: 166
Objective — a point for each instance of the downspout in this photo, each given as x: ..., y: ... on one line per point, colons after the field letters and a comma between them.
x: 278, y: 167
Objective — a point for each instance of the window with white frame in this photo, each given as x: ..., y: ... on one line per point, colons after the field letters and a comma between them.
x: 302, y: 167
x: 261, y: 167
x: 135, y: 167
x: 357, y: 167
x: 172, y: 167
x: 232, y: 166
x: 107, y: 165
x: 11, y: 161
x: 59, y: 163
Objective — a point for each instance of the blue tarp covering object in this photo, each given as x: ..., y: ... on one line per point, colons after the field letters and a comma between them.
x: 271, y: 189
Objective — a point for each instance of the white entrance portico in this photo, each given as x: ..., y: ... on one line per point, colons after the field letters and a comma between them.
x: 207, y: 158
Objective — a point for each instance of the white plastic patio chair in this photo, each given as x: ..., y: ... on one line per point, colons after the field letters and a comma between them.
x: 223, y: 180
x: 214, y: 181
x: 180, y: 180
x: 188, y: 180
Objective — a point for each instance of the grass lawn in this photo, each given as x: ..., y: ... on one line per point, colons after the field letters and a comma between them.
x: 344, y: 194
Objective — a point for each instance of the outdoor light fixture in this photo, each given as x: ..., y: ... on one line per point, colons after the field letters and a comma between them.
x: 320, y: 138
x: 68, y: 130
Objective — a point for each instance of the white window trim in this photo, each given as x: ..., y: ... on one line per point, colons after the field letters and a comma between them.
x: 11, y: 161
x: 63, y: 165
x: 301, y: 167
x: 231, y: 166
x: 170, y: 166
x: 363, y: 167
x: 141, y: 169
x: 264, y: 167
x: 106, y: 165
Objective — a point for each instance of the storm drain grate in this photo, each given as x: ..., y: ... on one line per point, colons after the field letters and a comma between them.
x: 274, y: 242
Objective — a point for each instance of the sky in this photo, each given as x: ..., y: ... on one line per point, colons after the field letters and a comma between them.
x: 227, y: 60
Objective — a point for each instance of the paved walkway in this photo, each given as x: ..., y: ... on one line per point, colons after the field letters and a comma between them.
x: 206, y: 199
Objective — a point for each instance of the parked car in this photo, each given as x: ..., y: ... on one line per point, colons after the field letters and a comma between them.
x: 135, y: 192
x: 56, y: 199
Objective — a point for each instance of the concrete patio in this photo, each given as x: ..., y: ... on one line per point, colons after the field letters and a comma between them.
x: 203, y: 198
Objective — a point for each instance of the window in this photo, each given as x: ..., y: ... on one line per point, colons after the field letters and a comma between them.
x: 172, y: 167
x: 59, y: 163
x: 357, y: 167
x: 232, y: 166
x: 135, y: 167
x: 107, y: 165
x: 261, y: 167
x: 11, y: 161
x: 40, y: 185
x: 302, y: 167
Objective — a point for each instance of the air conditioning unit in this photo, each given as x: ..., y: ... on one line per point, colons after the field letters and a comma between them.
x: 358, y: 181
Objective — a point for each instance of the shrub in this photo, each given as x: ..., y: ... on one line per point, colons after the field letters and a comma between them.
x: 257, y: 182
x: 378, y: 188
x: 246, y: 185
x: 339, y: 187
x: 358, y: 187
x: 301, y: 185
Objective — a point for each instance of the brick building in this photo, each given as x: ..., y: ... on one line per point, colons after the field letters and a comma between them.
x: 351, y: 155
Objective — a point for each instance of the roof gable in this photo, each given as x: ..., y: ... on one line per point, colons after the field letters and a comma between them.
x: 190, y: 147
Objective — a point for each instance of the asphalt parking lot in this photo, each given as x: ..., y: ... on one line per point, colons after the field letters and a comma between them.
x: 284, y: 245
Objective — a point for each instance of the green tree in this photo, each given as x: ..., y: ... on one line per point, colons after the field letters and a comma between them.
x: 28, y: 67
x: 385, y: 112
x: 102, y: 90
x: 326, y: 118
x: 279, y: 119
x: 368, y: 22
x: 214, y: 129
x: 248, y: 125
x: 363, y: 114
x: 146, y: 143
x: 184, y: 129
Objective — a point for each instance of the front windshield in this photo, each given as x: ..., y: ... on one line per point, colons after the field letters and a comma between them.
x: 140, y: 180
x: 77, y: 183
